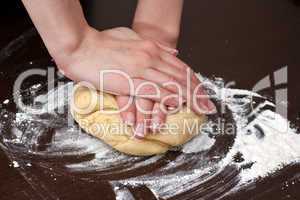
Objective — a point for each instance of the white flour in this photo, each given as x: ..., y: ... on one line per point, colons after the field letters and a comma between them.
x: 267, y: 142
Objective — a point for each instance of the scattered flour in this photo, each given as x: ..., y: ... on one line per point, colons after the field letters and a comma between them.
x: 6, y: 101
x: 263, y: 138
x: 15, y: 164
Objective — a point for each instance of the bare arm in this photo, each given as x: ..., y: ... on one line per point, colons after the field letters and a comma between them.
x: 159, y: 20
x: 83, y: 52
x: 61, y: 24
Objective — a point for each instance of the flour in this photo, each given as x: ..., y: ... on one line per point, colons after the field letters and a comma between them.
x: 15, y: 164
x: 200, y: 143
x: 263, y: 140
x: 122, y: 193
x: 6, y: 101
x: 278, y: 147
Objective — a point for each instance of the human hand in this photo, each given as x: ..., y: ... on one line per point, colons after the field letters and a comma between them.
x: 123, y: 50
x: 144, y: 61
x: 146, y: 114
x: 82, y: 52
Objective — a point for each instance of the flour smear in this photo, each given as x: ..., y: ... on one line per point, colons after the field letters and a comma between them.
x: 263, y: 140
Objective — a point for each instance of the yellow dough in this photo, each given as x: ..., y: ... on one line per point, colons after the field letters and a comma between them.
x: 109, y: 127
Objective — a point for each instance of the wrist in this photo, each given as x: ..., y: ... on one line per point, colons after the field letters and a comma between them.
x: 63, y: 51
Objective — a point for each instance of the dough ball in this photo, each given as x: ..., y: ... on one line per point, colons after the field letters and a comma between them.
x: 105, y: 123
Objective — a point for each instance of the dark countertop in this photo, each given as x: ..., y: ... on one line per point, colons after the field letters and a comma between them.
x: 241, y: 41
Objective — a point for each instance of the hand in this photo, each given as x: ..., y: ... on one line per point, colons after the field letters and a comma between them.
x: 137, y: 113
x: 142, y: 60
x: 142, y: 113
x: 134, y: 115
x: 122, y: 49
x: 82, y: 52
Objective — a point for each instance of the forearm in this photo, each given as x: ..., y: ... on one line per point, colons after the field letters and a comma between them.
x: 159, y: 20
x: 61, y: 23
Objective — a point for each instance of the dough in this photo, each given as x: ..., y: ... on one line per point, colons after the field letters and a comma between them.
x: 180, y: 127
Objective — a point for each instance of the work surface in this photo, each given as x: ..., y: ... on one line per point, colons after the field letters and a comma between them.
x: 238, y: 41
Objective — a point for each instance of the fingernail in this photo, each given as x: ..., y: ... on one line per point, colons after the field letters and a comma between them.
x: 207, y: 106
x: 211, y: 106
x: 139, y: 131
x: 171, y: 108
x: 205, y: 103
x: 130, y: 119
x: 174, y: 52
x: 172, y: 102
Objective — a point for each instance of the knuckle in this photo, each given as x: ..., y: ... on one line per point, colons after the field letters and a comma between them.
x: 147, y: 89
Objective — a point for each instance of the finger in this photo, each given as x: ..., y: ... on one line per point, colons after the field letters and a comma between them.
x: 202, y: 104
x: 183, y: 67
x: 127, y: 107
x: 170, y: 65
x: 143, y: 116
x: 175, y: 67
x: 170, y: 70
x: 159, y: 115
x: 168, y: 49
x: 166, y: 81
x: 173, y: 60
x: 154, y: 92
x: 199, y: 103
x: 117, y: 84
